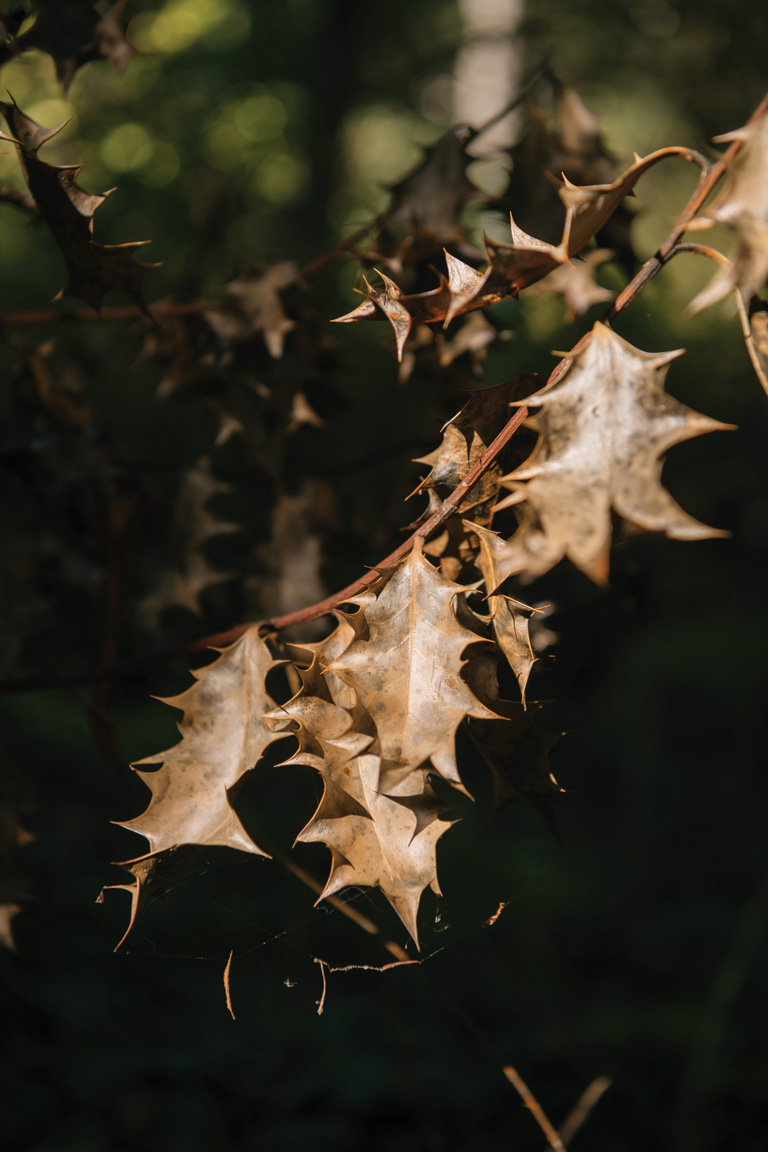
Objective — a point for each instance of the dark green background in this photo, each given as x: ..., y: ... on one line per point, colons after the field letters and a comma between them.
x: 632, y: 945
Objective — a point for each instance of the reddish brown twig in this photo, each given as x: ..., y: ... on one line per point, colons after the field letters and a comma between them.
x: 168, y: 307
x: 536, y: 1110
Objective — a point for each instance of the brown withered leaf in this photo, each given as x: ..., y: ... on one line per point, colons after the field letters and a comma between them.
x: 742, y: 205
x: 517, y: 752
x: 466, y: 436
x: 427, y: 204
x: 288, y: 566
x: 576, y: 283
x: 153, y: 878
x: 407, y: 674
x: 59, y: 29
x: 224, y: 734
x: 380, y: 840
x: 73, y: 33
x: 754, y: 325
x: 511, y: 626
x: 67, y: 209
x: 474, y: 336
x: 194, y: 524
x: 324, y: 708
x: 109, y: 43
x: 252, y: 305
x: 497, y: 560
x: 511, y: 267
x: 602, y: 430
x: 572, y: 146
x: 515, y: 749
x: 509, y: 618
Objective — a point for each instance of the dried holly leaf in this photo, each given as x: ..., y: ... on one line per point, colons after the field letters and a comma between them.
x: 576, y: 283
x: 427, y: 205
x: 252, y: 306
x: 754, y: 325
x: 109, y: 43
x: 153, y: 878
x: 515, y: 749
x: 380, y: 840
x: 474, y: 336
x: 517, y: 752
x: 289, y: 565
x: 67, y: 209
x: 742, y: 205
x: 602, y: 429
x: 466, y: 436
x: 324, y: 708
x: 224, y: 734
x: 571, y: 147
x: 194, y: 525
x: 73, y: 33
x: 407, y: 674
x: 511, y: 267
x: 510, y: 619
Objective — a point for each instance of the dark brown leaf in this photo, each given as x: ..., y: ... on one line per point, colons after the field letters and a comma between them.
x: 67, y: 209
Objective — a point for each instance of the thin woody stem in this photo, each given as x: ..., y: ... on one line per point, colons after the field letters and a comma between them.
x: 164, y: 308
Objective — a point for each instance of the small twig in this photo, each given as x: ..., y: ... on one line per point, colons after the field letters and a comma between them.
x: 163, y: 308
x: 118, y: 312
x: 321, y: 1001
x: 492, y: 919
x: 583, y: 1106
x: 702, y: 250
x: 226, y: 985
x: 535, y: 1108
x: 326, y: 967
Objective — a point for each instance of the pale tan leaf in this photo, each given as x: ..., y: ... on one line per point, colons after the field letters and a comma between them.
x: 474, y: 337
x: 224, y: 734
x: 377, y: 840
x: 252, y: 305
x: 576, y: 283
x: 324, y: 708
x: 743, y: 206
x: 510, y: 621
x: 407, y: 675
x: 602, y: 430
x: 194, y: 525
